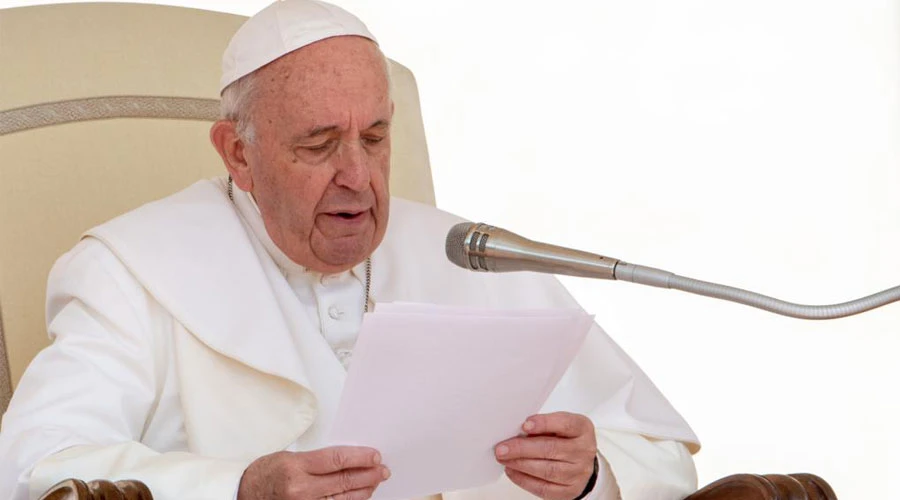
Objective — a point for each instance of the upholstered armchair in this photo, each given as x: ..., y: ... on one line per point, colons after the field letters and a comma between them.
x: 107, y: 106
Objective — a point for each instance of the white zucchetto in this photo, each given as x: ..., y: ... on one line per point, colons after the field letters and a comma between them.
x: 281, y: 28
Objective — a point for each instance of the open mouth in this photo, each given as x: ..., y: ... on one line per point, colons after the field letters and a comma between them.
x: 348, y: 215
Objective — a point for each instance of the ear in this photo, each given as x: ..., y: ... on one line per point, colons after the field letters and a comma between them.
x: 224, y: 137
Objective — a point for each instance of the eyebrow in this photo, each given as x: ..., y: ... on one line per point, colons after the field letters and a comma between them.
x: 319, y: 131
x: 379, y: 123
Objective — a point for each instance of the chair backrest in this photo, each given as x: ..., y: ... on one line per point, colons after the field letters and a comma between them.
x: 105, y: 107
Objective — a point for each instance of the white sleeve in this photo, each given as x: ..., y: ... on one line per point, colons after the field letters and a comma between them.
x: 170, y: 476
x: 82, y: 405
x: 606, y: 487
x: 643, y: 468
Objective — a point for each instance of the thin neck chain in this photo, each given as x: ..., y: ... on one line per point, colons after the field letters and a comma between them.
x: 368, y: 259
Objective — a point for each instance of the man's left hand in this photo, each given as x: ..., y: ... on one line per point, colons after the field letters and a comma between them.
x: 554, y: 459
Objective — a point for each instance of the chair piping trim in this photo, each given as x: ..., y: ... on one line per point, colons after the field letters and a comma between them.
x: 104, y: 108
x: 5, y: 373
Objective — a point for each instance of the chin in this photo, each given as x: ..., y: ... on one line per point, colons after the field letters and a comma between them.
x: 344, y: 257
x: 346, y: 252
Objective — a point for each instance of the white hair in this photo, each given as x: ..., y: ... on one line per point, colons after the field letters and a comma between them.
x: 236, y: 103
x: 238, y: 97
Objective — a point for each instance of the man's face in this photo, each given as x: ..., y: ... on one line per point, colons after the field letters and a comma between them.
x: 321, y: 157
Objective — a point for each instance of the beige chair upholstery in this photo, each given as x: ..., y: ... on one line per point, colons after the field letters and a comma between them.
x: 59, y: 177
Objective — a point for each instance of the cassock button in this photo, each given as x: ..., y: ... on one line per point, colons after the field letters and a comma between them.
x: 335, y: 312
x: 344, y: 356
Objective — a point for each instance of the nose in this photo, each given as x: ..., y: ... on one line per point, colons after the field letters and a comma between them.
x: 352, y: 167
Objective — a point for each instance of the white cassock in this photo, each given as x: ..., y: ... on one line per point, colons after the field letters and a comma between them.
x: 186, y: 345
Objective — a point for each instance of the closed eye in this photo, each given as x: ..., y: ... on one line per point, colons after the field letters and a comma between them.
x: 318, y: 147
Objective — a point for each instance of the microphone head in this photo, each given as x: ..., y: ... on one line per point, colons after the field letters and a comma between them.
x: 455, y: 245
x: 465, y: 245
x: 484, y: 248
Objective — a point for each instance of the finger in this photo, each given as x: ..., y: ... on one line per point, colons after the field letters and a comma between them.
x: 362, y: 494
x: 351, y: 480
x: 541, y: 447
x: 554, y: 471
x: 563, y: 424
x: 539, y: 487
x: 337, y: 458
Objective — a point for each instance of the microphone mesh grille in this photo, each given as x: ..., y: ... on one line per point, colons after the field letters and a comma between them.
x: 455, y: 245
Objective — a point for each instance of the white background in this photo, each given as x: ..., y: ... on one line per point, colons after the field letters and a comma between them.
x: 749, y: 143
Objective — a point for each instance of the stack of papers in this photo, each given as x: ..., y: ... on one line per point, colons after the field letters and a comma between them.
x: 434, y: 388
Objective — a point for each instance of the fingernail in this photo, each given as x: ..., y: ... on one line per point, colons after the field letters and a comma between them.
x: 502, y: 450
x: 528, y: 426
x: 385, y: 473
x: 377, y: 458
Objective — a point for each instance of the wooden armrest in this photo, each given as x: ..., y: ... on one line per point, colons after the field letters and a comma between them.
x: 73, y: 489
x: 767, y: 487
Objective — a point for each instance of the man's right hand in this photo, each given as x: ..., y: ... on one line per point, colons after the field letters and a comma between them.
x: 336, y: 473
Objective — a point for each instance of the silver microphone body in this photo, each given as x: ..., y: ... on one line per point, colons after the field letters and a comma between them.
x: 480, y: 247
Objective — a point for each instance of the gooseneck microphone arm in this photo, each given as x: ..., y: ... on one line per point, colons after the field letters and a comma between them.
x: 664, y: 279
x: 479, y: 247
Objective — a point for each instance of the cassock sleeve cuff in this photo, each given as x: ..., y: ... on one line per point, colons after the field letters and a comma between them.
x: 606, y: 487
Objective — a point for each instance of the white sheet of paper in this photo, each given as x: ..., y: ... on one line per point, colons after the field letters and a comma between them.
x: 434, y: 388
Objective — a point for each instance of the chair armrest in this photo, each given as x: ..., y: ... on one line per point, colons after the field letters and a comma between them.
x: 73, y: 489
x: 767, y: 487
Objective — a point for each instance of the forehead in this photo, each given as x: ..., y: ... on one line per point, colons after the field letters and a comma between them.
x: 332, y: 74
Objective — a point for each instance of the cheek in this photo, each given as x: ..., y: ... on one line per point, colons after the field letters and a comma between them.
x: 304, y: 191
x: 294, y: 192
x: 382, y: 169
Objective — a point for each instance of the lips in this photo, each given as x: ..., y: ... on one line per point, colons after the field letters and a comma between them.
x: 348, y: 219
x: 347, y: 214
x: 344, y: 214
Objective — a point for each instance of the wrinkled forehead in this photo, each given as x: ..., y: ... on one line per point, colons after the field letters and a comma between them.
x: 340, y: 83
x: 347, y: 66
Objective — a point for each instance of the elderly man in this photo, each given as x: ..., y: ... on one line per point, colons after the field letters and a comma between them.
x: 200, y: 342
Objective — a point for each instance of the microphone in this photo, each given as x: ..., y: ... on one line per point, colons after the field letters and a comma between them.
x: 484, y: 248
x: 480, y: 247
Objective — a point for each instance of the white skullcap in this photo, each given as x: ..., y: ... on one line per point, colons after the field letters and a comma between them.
x: 281, y: 28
